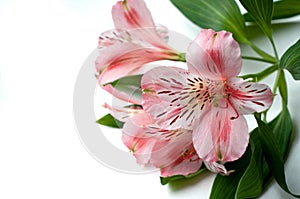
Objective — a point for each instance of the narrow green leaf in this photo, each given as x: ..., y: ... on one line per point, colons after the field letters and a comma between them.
x: 290, y: 60
x: 215, y: 14
x: 250, y: 185
x: 224, y: 187
x: 282, y: 127
x: 166, y: 180
x: 272, y: 153
x: 283, y: 87
x: 109, y: 120
x: 282, y: 9
x: 261, y: 12
x: 134, y: 80
x: 286, y: 8
x: 131, y: 85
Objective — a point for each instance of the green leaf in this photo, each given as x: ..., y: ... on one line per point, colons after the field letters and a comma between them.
x: 109, y: 120
x: 134, y: 80
x: 282, y: 127
x: 272, y: 153
x: 250, y: 185
x: 290, y: 60
x: 224, y: 187
x: 261, y: 12
x: 283, y: 87
x: 282, y: 9
x: 215, y: 14
x: 130, y: 85
x: 166, y: 180
x: 286, y: 8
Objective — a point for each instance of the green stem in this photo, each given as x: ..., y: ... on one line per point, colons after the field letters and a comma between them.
x: 182, y: 57
x: 283, y: 88
x: 262, y: 53
x: 257, y: 59
x: 261, y: 75
x: 274, y: 48
x: 277, y: 80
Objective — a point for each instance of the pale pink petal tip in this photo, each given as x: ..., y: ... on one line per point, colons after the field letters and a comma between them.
x: 215, y: 55
x: 219, y: 137
x: 131, y: 14
x: 250, y: 97
x: 216, y: 167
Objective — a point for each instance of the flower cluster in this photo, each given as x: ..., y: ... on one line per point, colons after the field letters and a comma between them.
x: 185, y: 117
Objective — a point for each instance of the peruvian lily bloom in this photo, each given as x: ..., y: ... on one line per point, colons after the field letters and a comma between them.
x: 171, y: 151
x: 135, y: 42
x: 207, y: 98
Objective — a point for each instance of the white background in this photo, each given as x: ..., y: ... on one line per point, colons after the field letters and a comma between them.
x: 42, y: 47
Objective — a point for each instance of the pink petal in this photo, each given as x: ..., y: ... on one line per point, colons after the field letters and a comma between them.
x: 218, y: 136
x: 216, y: 167
x: 249, y: 97
x: 113, y: 37
x: 125, y: 113
x: 110, y: 54
x: 127, y: 60
x: 171, y: 150
x: 126, y: 97
x: 134, y: 138
x: 162, y: 32
x: 152, y: 145
x: 172, y: 146
x: 169, y: 98
x: 131, y: 14
x: 214, y: 55
x: 181, y: 167
x: 123, y: 53
x: 176, y: 156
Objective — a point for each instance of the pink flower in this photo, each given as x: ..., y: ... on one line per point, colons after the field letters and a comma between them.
x: 135, y: 42
x: 208, y: 99
x: 170, y: 150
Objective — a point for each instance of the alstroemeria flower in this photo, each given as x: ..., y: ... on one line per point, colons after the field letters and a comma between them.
x: 170, y: 150
x: 207, y: 98
x: 135, y: 42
